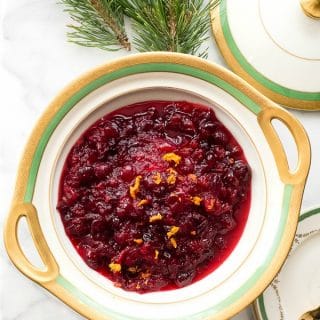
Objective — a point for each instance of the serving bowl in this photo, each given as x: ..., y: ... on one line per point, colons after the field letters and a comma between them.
x: 276, y: 189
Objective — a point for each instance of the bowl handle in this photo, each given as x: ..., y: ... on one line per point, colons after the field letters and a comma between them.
x: 301, y: 139
x: 51, y: 270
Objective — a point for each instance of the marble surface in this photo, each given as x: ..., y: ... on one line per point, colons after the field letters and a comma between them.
x: 37, y: 62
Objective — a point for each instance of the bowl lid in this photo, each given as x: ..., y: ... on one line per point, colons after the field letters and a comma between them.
x: 296, y: 289
x: 273, y: 45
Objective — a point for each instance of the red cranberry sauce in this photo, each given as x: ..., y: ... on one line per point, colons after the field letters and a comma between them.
x: 155, y: 195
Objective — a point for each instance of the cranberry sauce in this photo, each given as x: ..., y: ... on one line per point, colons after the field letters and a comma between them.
x: 156, y: 195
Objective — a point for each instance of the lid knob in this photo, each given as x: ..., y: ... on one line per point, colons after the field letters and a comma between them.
x: 311, y: 8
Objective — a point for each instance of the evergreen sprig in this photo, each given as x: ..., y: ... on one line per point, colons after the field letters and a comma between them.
x: 159, y: 25
x: 169, y: 25
x: 100, y: 23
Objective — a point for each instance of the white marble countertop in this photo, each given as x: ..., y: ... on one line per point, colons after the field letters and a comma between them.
x: 36, y: 63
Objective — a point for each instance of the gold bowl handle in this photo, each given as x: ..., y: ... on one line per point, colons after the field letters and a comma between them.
x: 301, y: 139
x: 51, y: 270
x: 311, y: 315
x: 311, y: 8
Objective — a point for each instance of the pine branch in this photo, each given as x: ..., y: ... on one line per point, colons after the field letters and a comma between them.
x: 100, y: 23
x: 169, y: 25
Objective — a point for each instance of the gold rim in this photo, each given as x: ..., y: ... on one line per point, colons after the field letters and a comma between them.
x: 14, y: 249
x: 269, y: 111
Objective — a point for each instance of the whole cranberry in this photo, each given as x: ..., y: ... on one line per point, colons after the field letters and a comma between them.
x: 220, y: 137
x: 128, y: 172
x: 185, y: 278
x: 228, y: 223
x: 101, y: 170
x: 78, y: 227
x: 125, y: 207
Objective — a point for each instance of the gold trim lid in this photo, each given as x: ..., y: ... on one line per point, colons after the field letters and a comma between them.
x: 275, y: 46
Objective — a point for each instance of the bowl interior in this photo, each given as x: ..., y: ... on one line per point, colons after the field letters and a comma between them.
x: 258, y: 198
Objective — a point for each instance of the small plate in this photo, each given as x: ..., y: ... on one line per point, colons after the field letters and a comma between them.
x: 296, y: 289
x: 274, y: 46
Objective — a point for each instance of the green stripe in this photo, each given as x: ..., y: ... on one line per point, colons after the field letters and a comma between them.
x: 141, y: 68
x: 88, y: 301
x: 261, y: 305
x: 262, y: 309
x: 254, y: 73
x: 309, y: 213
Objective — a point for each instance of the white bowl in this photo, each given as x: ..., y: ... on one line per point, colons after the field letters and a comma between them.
x: 276, y: 191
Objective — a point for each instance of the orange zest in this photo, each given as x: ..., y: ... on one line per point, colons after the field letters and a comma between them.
x: 196, y: 200
x: 138, y: 241
x: 157, y: 178
x: 171, y: 156
x: 115, y: 267
x: 135, y: 188
x: 142, y: 202
x: 172, y: 231
x: 171, y: 179
x: 155, y: 217
x: 173, y: 242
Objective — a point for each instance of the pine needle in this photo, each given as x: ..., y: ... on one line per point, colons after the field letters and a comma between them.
x: 169, y: 25
x: 159, y: 25
x: 100, y: 23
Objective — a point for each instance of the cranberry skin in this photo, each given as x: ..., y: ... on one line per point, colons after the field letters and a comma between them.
x: 187, y: 166
x: 230, y: 179
x: 219, y: 152
x: 228, y: 223
x: 185, y: 278
x: 143, y: 124
x: 94, y: 253
x: 125, y: 208
x: 165, y: 147
x: 220, y: 137
x: 220, y: 242
x: 78, y: 210
x: 107, y: 221
x: 101, y: 170
x: 127, y: 173
x: 85, y: 174
x: 241, y: 170
x: 174, y: 122
x: 207, y: 129
x: 78, y: 227
x: 104, y: 208
x: 99, y: 228
x: 70, y: 195
x: 110, y: 130
x: 235, y: 151
x: 210, y: 159
x: 188, y: 125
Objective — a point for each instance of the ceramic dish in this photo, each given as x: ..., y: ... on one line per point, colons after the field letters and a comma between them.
x: 276, y: 190
x: 289, y: 72
x: 294, y: 292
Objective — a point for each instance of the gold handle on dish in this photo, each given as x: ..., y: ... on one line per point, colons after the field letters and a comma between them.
x: 311, y: 8
x: 15, y: 251
x: 301, y: 139
x: 311, y: 315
